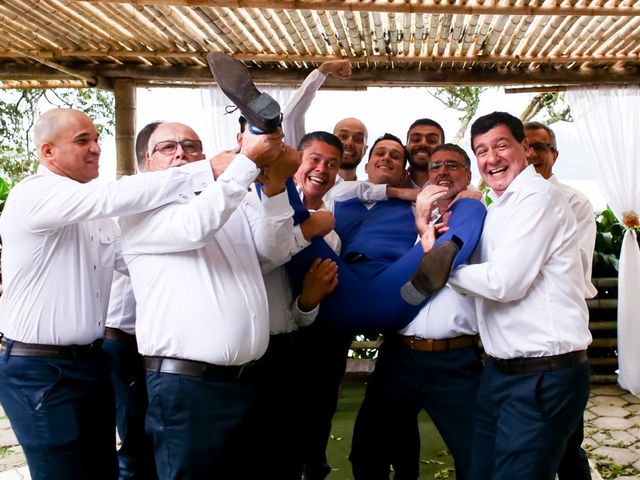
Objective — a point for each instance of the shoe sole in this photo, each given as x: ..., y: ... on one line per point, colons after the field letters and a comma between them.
x: 233, y: 78
x: 436, y: 265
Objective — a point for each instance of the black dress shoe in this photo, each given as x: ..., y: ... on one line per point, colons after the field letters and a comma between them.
x: 433, y: 272
x: 260, y: 109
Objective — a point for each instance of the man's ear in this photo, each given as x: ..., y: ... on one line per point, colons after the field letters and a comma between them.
x: 366, y: 168
x: 46, y: 150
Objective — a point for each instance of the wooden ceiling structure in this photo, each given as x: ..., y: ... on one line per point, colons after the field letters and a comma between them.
x: 51, y: 43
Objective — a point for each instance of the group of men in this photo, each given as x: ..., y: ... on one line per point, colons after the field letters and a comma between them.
x: 221, y: 305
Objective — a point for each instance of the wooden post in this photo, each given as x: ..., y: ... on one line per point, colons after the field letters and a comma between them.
x: 125, y: 93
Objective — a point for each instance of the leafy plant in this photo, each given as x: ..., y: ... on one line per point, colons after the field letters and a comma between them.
x: 609, y: 235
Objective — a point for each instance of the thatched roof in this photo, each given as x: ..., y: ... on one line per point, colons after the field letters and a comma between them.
x: 392, y: 42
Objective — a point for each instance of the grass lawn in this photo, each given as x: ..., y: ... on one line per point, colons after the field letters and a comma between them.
x: 435, y: 460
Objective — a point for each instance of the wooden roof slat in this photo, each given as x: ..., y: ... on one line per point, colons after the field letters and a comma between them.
x: 443, y: 34
x: 469, y: 33
x: 328, y: 30
x: 341, y: 32
x: 366, y: 30
x: 419, y: 34
x: 406, y: 33
x: 623, y: 34
x: 433, y: 32
x: 272, y: 32
x: 379, y: 33
x: 321, y: 44
x: 273, y: 23
x: 393, y: 33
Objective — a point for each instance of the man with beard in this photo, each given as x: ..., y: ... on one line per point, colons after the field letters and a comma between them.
x: 422, y: 137
x: 439, y: 344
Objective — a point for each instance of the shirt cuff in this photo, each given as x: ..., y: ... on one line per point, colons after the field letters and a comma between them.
x: 241, y: 170
x: 300, y: 242
x: 304, y: 319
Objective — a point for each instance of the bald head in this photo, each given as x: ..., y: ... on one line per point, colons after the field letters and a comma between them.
x: 172, y: 145
x: 53, y: 122
x: 353, y: 135
x: 67, y: 142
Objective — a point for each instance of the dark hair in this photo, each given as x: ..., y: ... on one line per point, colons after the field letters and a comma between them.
x: 389, y: 136
x: 542, y: 126
x: 492, y: 120
x: 428, y: 122
x: 321, y: 136
x: 142, y: 141
x: 243, y: 123
x: 451, y: 147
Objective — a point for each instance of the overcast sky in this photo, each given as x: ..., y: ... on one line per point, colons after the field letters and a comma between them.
x: 382, y: 110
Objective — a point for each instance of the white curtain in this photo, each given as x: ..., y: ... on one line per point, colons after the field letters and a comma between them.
x: 224, y: 126
x: 608, y: 122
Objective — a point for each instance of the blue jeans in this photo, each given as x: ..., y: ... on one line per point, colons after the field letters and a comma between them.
x: 523, y: 421
x: 135, y: 456
x: 404, y: 382
x: 197, y: 425
x: 62, y: 412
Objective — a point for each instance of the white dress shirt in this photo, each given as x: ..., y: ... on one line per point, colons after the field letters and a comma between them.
x: 448, y: 314
x: 583, y: 210
x: 284, y: 314
x: 122, y: 304
x: 195, y: 269
x: 58, y: 249
x: 293, y: 125
x: 529, y: 277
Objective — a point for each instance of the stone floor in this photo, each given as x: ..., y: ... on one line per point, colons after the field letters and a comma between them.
x: 612, y: 437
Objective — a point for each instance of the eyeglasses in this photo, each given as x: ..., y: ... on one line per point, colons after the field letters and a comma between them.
x: 448, y: 165
x: 542, y: 147
x: 169, y: 147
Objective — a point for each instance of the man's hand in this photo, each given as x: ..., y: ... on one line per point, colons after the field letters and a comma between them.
x: 317, y: 225
x: 425, y: 203
x: 406, y: 194
x: 262, y: 149
x: 221, y: 161
x: 275, y: 174
x: 338, y: 68
x: 467, y: 193
x: 320, y: 280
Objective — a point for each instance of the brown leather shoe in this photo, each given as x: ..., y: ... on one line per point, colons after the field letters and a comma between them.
x: 432, y: 274
x: 260, y: 109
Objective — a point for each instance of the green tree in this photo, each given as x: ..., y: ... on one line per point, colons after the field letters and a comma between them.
x: 463, y: 99
x: 19, y: 111
x: 552, y: 104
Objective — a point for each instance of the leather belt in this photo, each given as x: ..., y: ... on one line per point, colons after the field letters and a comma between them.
x: 68, y: 352
x: 196, y: 369
x: 444, y: 345
x: 119, y: 335
x: 540, y: 364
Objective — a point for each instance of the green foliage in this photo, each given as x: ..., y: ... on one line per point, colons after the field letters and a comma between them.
x: 609, y: 235
x: 4, y: 191
x: 463, y: 99
x: 21, y: 108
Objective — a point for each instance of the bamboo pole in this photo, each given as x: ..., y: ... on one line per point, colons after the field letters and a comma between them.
x: 125, y: 97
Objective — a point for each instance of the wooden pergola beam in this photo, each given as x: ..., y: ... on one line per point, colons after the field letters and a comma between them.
x: 276, y: 58
x: 402, y: 6
x: 201, y: 76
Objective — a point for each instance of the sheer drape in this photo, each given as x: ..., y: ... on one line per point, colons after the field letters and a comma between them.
x: 223, y: 127
x: 608, y: 121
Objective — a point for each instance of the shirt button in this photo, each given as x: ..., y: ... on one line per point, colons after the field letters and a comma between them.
x: 94, y: 267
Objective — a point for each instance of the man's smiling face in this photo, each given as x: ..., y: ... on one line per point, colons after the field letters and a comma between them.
x: 386, y: 163
x: 317, y: 172
x: 452, y: 172
x: 500, y: 157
